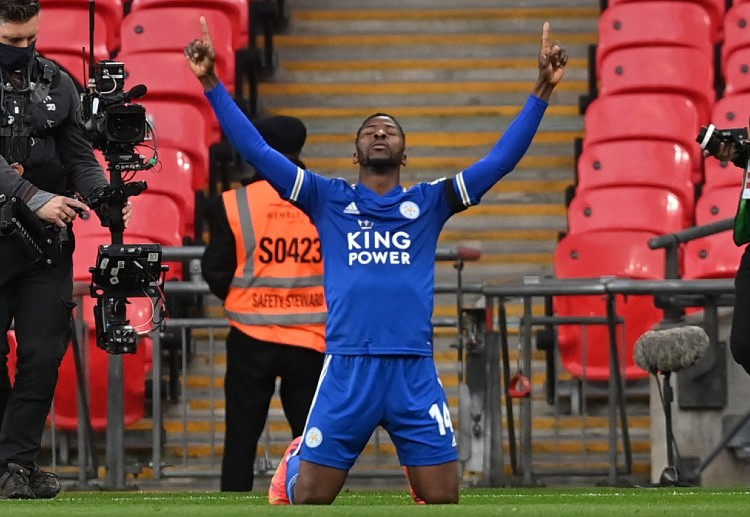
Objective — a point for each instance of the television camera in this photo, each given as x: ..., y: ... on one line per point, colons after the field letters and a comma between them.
x: 112, y: 123
x: 117, y: 128
x: 710, y: 138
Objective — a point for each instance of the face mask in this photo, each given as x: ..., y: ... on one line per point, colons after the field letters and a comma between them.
x: 15, y: 58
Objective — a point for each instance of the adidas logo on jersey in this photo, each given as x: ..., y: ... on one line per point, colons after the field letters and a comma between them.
x: 351, y: 208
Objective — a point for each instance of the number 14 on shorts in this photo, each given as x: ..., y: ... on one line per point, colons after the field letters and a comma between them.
x: 443, y: 418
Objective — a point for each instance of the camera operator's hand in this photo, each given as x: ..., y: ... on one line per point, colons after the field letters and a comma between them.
x: 127, y: 213
x: 726, y: 152
x: 61, y: 210
x: 552, y: 61
x: 201, y: 57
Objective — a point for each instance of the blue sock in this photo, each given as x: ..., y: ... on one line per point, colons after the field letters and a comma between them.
x: 292, y: 471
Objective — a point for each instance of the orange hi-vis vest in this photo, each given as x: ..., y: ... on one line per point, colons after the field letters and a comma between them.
x: 277, y: 291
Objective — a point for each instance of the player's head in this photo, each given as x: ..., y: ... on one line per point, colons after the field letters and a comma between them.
x: 380, y: 142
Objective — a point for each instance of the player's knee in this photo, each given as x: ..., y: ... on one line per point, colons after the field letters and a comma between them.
x: 308, y: 497
x: 447, y: 496
x: 310, y: 493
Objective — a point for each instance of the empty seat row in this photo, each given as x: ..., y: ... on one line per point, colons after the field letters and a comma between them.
x: 638, y: 168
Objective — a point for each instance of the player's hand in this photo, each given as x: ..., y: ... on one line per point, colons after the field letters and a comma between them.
x: 61, y: 210
x: 552, y: 61
x: 201, y: 57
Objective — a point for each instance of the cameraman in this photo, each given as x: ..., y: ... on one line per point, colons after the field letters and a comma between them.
x: 739, y: 338
x: 44, y: 154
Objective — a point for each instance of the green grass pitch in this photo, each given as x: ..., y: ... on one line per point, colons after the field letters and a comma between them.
x: 607, y: 502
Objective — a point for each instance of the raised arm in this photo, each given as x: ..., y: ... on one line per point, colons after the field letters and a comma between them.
x: 475, y: 181
x: 272, y: 165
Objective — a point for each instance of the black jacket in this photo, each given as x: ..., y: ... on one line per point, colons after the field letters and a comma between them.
x: 61, y: 157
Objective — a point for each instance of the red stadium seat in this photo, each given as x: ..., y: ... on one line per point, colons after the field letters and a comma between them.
x: 145, y: 31
x: 646, y: 116
x: 731, y: 111
x: 715, y: 256
x: 66, y: 23
x: 182, y: 126
x: 156, y: 219
x: 236, y: 10
x: 173, y: 177
x: 584, y: 350
x: 672, y: 70
x: 136, y: 367
x: 714, y: 8
x: 64, y: 32
x: 736, y: 71
x: 736, y: 30
x: 174, y: 83
x: 89, y: 235
x: 721, y: 174
x: 638, y: 24
x: 645, y: 209
x: 643, y: 163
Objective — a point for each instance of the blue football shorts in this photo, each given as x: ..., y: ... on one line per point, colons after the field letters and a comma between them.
x: 357, y: 393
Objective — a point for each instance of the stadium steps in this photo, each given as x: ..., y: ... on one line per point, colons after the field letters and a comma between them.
x: 454, y: 75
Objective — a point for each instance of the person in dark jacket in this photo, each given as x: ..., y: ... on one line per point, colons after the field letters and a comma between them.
x: 739, y: 339
x: 264, y: 248
x: 43, y: 155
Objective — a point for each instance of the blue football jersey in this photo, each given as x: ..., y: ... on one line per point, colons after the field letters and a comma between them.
x: 379, y: 257
x: 378, y: 250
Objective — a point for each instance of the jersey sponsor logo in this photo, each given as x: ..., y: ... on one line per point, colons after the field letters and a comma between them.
x: 409, y: 209
x: 351, y: 208
x: 373, y: 247
x: 313, y: 437
x: 364, y: 224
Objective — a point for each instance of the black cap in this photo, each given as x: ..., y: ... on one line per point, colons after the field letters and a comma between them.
x: 285, y: 134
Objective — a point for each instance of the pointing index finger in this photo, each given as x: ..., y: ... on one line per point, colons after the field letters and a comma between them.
x: 206, y: 34
x: 545, y: 34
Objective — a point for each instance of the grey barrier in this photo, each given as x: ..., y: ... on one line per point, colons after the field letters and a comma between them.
x: 608, y: 287
x: 480, y: 431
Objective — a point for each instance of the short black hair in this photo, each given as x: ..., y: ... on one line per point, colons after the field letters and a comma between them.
x: 379, y: 114
x: 18, y: 11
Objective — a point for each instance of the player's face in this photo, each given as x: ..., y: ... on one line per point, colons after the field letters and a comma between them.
x: 380, y: 144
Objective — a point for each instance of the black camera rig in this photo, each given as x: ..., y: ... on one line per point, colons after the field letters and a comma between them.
x: 117, y: 128
x: 123, y: 271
